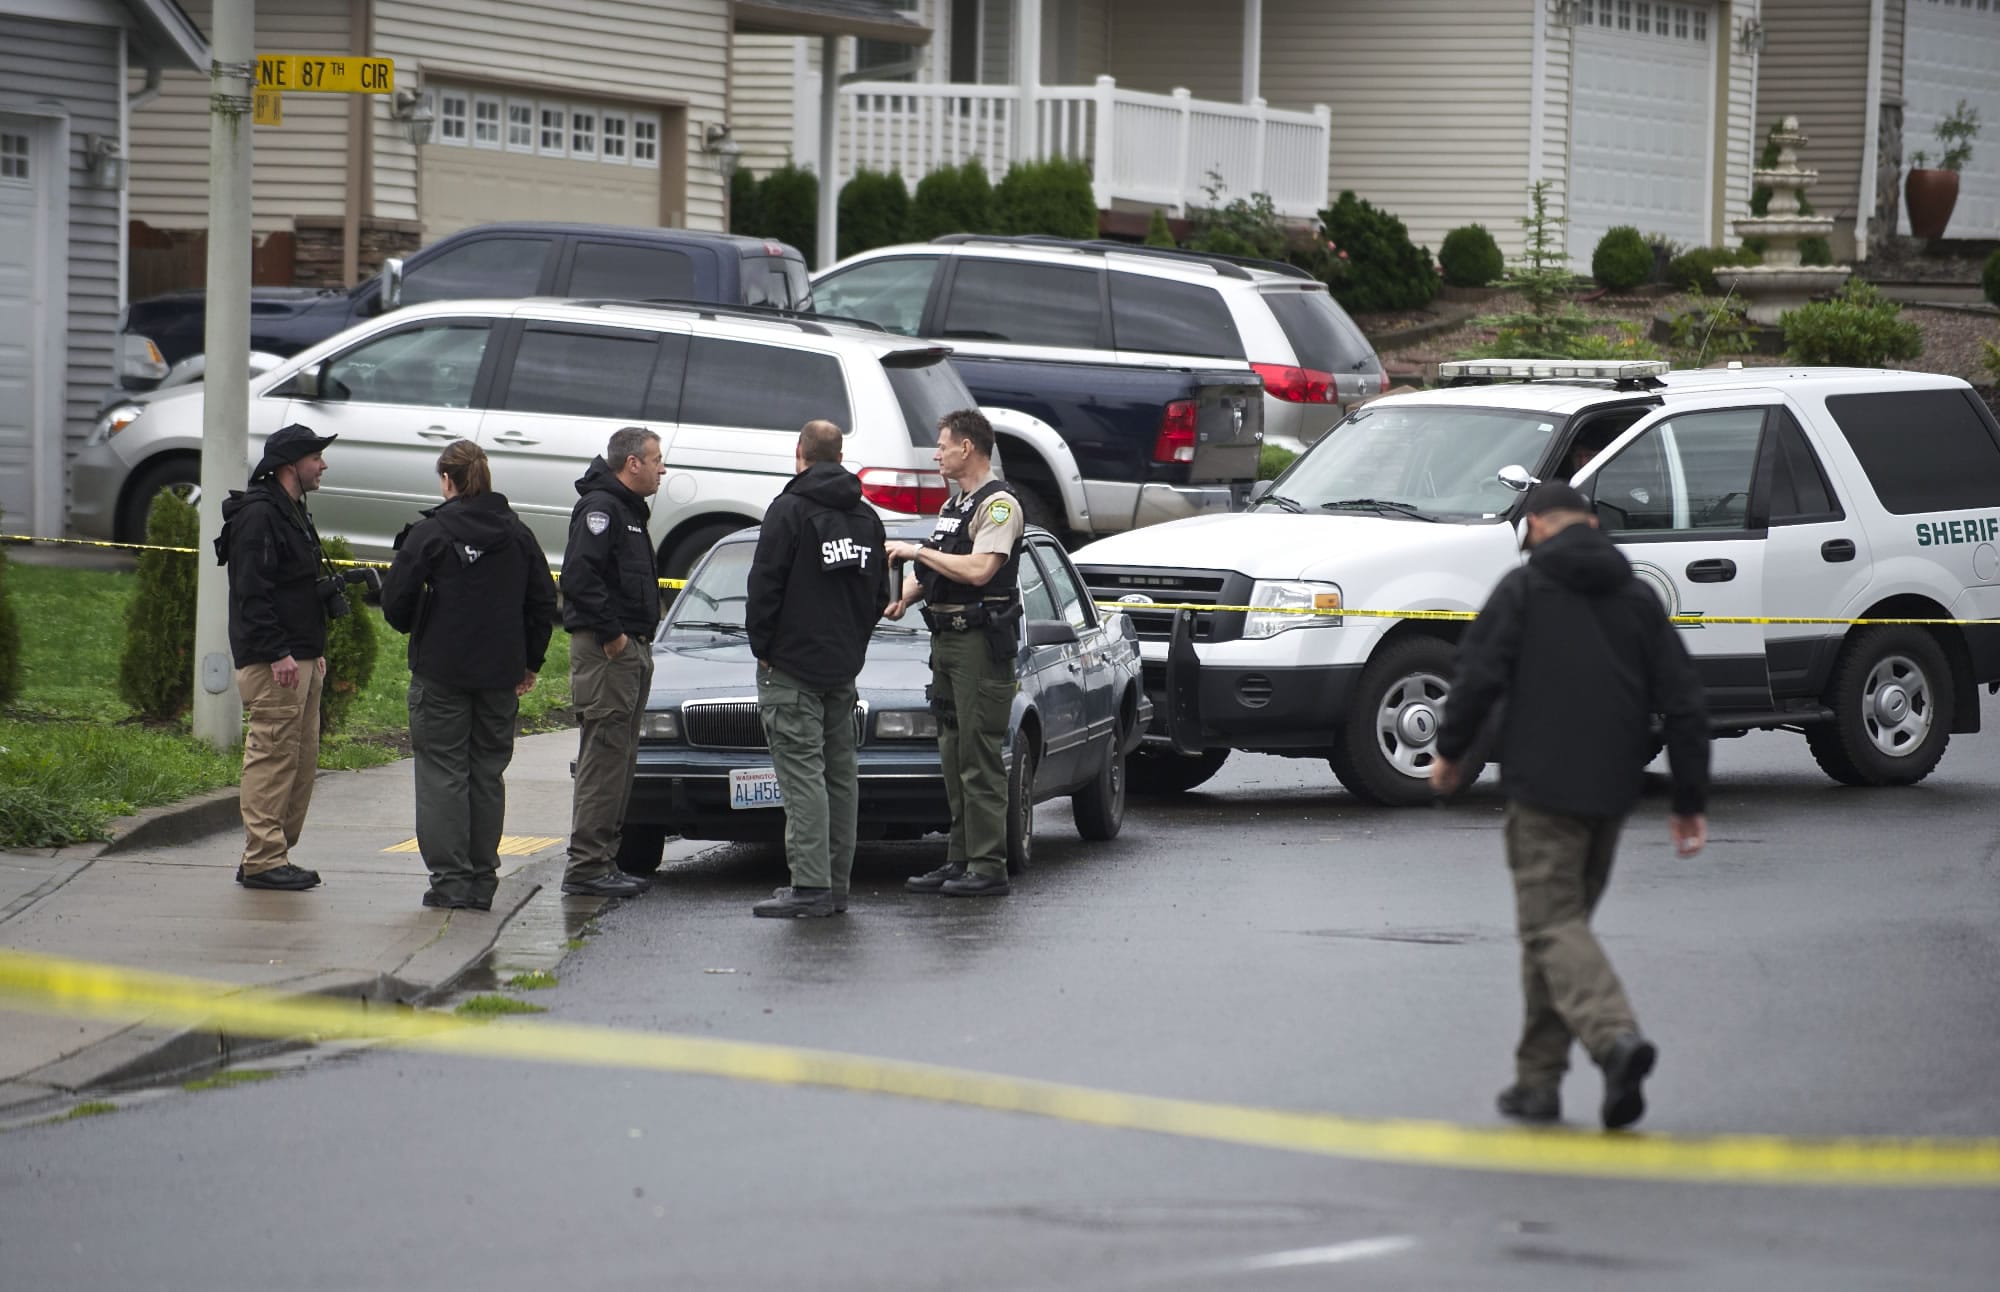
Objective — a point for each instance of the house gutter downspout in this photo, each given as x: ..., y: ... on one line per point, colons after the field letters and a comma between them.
x: 146, y: 93
x: 829, y: 156
x: 1253, y: 52
x: 1871, y: 129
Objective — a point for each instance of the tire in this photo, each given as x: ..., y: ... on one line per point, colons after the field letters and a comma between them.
x: 1099, y: 807
x: 640, y: 848
x: 1036, y: 508
x: 180, y: 474
x: 1162, y: 775
x: 1389, y: 738
x: 676, y: 560
x: 1021, y: 805
x: 1892, y: 703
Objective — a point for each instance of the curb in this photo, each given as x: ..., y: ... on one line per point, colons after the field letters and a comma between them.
x: 215, y: 812
x: 1422, y: 332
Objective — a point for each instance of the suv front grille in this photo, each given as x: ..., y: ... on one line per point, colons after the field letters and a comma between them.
x: 736, y: 724
x: 1133, y: 589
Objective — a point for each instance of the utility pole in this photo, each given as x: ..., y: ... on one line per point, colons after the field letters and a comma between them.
x: 225, y: 429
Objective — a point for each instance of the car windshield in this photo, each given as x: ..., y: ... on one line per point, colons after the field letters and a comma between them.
x: 1425, y: 461
x: 717, y: 596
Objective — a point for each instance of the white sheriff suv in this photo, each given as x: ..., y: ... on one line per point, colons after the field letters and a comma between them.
x: 1768, y: 492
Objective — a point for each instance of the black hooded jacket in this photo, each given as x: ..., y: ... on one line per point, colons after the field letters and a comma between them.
x: 1584, y: 655
x: 472, y: 588
x: 273, y: 554
x: 610, y: 584
x: 820, y: 578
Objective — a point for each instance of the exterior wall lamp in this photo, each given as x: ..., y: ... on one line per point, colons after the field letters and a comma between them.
x: 1750, y: 36
x: 105, y: 161
x: 1563, y: 12
x: 717, y: 143
x: 412, y: 111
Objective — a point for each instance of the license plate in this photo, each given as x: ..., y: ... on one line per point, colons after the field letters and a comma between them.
x: 754, y: 787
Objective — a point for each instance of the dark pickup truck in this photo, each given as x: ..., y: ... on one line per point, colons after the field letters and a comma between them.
x: 490, y: 262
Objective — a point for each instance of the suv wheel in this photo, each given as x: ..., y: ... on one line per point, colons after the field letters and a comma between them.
x: 180, y: 476
x: 640, y: 848
x: 678, y: 558
x: 1021, y: 804
x: 1892, y: 702
x: 1389, y: 739
x: 1164, y: 773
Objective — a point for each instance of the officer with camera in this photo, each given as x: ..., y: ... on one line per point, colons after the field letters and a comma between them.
x: 282, y: 591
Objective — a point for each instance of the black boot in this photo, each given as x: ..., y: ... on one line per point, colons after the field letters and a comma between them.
x: 1627, y: 1065
x: 1541, y: 1104
x: 932, y: 881
x: 970, y: 885
x: 796, y: 904
x: 283, y: 879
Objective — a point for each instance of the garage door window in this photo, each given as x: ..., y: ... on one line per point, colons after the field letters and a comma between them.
x: 616, y: 127
x: 14, y: 157
x: 763, y: 387
x: 434, y: 366
x: 582, y: 132
x: 550, y: 141
x: 583, y: 374
x: 1646, y: 18
x: 502, y: 268
x: 645, y: 140
x: 453, y: 108
x: 486, y: 122
x: 520, y: 126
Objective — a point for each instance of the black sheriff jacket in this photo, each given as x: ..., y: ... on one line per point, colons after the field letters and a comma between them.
x: 273, y: 554
x: 1584, y: 655
x: 610, y: 584
x: 472, y: 588
x: 820, y: 578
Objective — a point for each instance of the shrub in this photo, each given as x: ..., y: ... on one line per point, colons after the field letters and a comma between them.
x: 746, y: 216
x: 1385, y: 270
x: 1470, y: 257
x: 1158, y: 232
x: 1052, y: 197
x: 1990, y: 360
x: 952, y: 199
x: 156, y: 672
x: 351, y: 646
x: 1990, y: 279
x: 10, y: 639
x: 874, y: 212
x: 1709, y: 327
x: 788, y: 208
x: 1856, y: 329
x: 1272, y: 460
x: 1622, y: 259
x: 1695, y: 270
x: 1240, y: 227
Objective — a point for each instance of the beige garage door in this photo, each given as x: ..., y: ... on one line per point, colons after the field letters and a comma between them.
x: 496, y: 156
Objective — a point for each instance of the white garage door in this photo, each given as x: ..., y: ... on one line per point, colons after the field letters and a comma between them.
x: 20, y: 306
x: 1641, y: 121
x: 505, y: 157
x: 1951, y: 51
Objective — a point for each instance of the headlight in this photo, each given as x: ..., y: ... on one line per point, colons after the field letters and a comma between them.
x: 1291, y: 596
x: 906, y: 724
x: 139, y: 359
x: 114, y: 420
x: 660, y: 726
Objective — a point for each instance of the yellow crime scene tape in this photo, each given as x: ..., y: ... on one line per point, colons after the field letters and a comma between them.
x: 75, y: 988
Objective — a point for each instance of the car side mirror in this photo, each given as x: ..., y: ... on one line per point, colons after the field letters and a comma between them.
x: 391, y: 295
x: 1259, y: 489
x: 1051, y: 632
x: 1516, y: 477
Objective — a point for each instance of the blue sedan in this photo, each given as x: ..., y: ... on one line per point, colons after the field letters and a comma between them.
x: 704, y: 771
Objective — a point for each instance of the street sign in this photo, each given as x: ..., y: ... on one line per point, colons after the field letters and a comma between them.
x: 324, y: 74
x: 268, y: 108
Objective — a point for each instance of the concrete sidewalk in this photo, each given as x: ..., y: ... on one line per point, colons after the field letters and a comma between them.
x: 177, y: 909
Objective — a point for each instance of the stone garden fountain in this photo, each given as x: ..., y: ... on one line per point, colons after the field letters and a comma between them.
x: 1782, y: 283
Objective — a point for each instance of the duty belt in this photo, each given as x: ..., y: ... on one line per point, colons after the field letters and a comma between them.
x: 963, y: 619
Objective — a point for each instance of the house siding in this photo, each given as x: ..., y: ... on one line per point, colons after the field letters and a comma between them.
x: 79, y: 67
x: 1815, y: 68
x: 1164, y: 45
x: 301, y: 166
x: 763, y: 84
x: 655, y: 54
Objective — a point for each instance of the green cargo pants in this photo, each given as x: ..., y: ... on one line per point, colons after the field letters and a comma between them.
x: 974, y: 697
x: 462, y: 741
x: 610, y: 699
x: 1560, y: 866
x: 811, y: 734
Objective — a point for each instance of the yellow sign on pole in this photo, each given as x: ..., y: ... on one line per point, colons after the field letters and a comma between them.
x: 326, y: 74
x: 268, y: 108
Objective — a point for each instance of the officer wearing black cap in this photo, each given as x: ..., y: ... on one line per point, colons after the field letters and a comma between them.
x: 281, y: 592
x: 1584, y: 655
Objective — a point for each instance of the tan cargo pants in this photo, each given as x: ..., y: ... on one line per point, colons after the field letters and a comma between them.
x: 610, y: 699
x: 280, y: 760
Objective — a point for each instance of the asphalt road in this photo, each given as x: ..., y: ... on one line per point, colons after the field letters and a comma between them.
x: 1827, y: 967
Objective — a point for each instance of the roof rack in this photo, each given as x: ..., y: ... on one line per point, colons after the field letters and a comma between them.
x: 805, y: 320
x: 1225, y: 265
x: 1618, y: 374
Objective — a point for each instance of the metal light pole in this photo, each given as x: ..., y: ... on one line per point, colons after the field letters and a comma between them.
x: 225, y: 430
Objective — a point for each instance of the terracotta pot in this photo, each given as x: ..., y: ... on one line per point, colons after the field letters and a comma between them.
x: 1931, y: 195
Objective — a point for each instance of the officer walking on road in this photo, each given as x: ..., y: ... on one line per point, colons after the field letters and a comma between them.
x: 966, y: 573
x: 472, y: 588
x: 1584, y: 656
x: 818, y: 584
x: 280, y: 593
x: 611, y: 607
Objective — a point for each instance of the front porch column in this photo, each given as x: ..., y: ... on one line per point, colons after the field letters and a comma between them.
x: 1253, y: 52
x: 829, y: 151
x: 1028, y: 73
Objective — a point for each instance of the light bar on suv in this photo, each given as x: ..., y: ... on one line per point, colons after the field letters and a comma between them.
x: 1553, y: 370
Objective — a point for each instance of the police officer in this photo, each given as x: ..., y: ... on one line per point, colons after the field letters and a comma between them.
x: 1584, y: 656
x: 818, y: 584
x: 966, y: 574
x: 280, y: 591
x: 611, y: 607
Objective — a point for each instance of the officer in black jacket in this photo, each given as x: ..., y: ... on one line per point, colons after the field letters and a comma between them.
x: 818, y: 584
x: 472, y: 588
x: 1585, y: 656
x: 280, y: 591
x: 966, y: 574
x: 611, y: 608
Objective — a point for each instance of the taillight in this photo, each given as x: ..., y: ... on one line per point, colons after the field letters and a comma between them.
x: 1176, y: 440
x: 914, y: 493
x: 1297, y: 385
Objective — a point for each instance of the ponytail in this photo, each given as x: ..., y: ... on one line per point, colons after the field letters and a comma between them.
x: 465, y: 463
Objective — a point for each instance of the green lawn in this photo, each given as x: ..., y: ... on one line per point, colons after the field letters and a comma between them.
x: 73, y: 755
